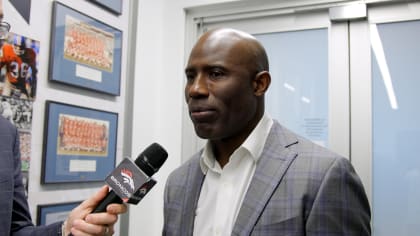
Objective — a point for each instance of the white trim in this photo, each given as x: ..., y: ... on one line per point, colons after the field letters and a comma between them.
x: 394, y: 12
x: 361, y: 103
x: 251, y: 9
x: 339, y: 94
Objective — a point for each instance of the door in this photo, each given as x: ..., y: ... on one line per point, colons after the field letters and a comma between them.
x: 386, y: 128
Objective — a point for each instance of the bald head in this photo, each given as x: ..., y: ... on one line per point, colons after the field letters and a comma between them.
x: 250, y: 50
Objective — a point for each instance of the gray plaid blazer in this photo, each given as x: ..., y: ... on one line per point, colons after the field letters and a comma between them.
x: 298, y: 188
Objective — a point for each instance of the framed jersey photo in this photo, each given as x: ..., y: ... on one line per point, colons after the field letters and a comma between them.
x: 18, y: 66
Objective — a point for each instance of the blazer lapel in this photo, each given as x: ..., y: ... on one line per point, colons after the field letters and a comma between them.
x: 271, y: 167
x: 193, y: 188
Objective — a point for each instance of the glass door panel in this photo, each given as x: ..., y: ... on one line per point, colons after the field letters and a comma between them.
x: 298, y: 94
x: 396, y: 127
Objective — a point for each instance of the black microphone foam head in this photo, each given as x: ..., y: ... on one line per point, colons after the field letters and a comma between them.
x: 151, y: 159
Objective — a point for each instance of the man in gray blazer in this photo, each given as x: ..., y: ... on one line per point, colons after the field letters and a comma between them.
x: 254, y: 177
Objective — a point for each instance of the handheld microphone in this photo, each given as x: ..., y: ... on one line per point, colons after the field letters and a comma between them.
x: 130, y: 181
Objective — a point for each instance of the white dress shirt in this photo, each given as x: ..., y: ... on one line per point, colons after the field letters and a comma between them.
x: 224, y: 189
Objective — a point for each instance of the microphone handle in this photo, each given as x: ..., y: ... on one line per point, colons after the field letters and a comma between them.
x: 111, y: 197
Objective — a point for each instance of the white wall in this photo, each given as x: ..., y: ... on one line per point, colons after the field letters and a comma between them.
x: 39, y: 29
x: 158, y: 97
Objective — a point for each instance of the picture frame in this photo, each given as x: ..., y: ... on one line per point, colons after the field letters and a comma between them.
x: 21, y: 81
x: 51, y: 213
x: 79, y: 143
x: 85, y: 52
x: 113, y: 6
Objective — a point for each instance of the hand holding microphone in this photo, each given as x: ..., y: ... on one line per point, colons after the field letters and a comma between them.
x: 129, y: 182
x: 80, y: 222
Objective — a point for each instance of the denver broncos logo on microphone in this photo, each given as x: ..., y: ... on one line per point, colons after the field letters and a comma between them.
x: 128, y: 178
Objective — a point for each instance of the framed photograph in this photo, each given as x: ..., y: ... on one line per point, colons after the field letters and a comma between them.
x: 113, y: 6
x: 19, y: 66
x: 50, y: 213
x: 79, y: 143
x: 85, y: 52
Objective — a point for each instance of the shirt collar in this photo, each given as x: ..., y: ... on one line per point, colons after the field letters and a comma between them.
x: 254, y: 144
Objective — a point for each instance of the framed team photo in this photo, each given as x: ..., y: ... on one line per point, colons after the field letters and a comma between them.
x: 85, y: 52
x: 113, y: 6
x: 79, y: 143
x: 51, y: 213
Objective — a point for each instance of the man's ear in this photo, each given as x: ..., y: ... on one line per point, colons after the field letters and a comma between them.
x: 261, y: 83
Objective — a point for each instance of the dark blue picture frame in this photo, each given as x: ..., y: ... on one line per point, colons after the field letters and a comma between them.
x: 113, y: 6
x: 57, y: 211
x: 84, y: 64
x: 78, y: 164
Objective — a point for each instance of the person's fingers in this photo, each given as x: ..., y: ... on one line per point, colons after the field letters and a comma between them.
x: 102, y: 218
x: 76, y: 232
x: 95, y: 199
x: 81, y: 222
x: 82, y: 228
x: 116, y: 208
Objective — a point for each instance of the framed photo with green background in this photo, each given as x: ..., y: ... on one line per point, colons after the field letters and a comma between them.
x: 85, y: 52
x: 79, y: 143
